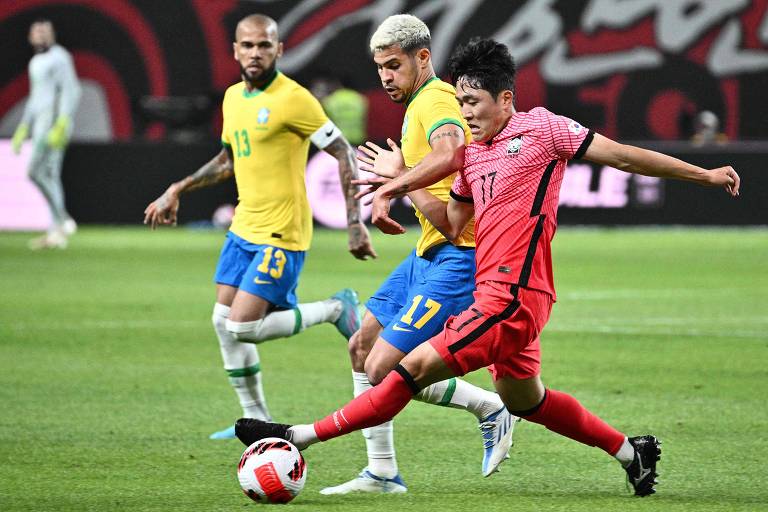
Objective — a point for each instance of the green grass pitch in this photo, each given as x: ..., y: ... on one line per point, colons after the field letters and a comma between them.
x: 111, y: 379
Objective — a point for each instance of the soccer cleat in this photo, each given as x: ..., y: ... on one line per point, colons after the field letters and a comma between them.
x: 250, y: 430
x: 227, y: 433
x: 641, y: 472
x: 51, y: 240
x: 368, y: 482
x: 68, y: 227
x: 349, y: 320
x: 497, y: 430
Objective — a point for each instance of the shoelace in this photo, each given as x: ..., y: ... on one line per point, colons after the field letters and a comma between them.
x: 487, y: 428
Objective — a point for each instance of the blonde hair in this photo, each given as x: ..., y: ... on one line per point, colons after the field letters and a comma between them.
x: 405, y: 30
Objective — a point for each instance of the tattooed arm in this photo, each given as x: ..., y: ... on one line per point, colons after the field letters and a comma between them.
x: 359, y: 240
x: 446, y: 158
x: 164, y: 209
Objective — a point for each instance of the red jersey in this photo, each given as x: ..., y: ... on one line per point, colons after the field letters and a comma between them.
x: 514, y: 182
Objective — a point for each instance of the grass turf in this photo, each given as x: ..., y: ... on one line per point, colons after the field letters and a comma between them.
x: 111, y: 380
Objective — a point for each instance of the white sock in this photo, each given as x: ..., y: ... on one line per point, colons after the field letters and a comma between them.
x: 303, y: 436
x: 282, y: 324
x: 460, y: 394
x: 626, y: 453
x: 241, y: 361
x: 379, y: 441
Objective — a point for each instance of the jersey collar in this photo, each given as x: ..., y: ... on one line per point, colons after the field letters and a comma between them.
x: 407, y: 103
x: 256, y: 91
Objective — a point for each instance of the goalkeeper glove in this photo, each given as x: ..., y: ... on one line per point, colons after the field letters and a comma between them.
x: 19, y: 136
x: 57, y: 136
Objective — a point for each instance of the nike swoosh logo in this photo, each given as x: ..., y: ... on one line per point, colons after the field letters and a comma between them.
x: 261, y: 281
x: 398, y: 328
x: 329, y: 132
x: 643, y: 472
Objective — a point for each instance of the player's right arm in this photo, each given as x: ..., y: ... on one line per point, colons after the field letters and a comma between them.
x: 164, y: 209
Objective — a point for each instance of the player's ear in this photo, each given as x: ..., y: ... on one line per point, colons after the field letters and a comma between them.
x: 279, y: 50
x: 423, y: 57
x: 234, y: 50
x: 506, y: 98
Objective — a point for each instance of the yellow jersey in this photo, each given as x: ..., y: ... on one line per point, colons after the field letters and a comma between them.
x: 269, y: 132
x: 432, y: 106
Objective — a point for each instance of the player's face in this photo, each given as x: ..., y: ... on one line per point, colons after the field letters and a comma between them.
x: 41, y: 36
x: 485, y: 115
x: 398, y: 72
x: 256, y: 50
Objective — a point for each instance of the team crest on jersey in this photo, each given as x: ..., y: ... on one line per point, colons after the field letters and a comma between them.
x: 263, y: 116
x: 575, y: 127
x: 514, y: 145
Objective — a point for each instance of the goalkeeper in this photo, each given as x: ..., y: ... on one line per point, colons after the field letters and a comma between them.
x: 53, y: 98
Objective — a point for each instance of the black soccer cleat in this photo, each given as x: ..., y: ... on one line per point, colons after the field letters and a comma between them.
x: 249, y: 430
x: 641, y: 472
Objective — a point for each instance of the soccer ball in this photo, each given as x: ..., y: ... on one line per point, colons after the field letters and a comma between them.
x: 272, y: 470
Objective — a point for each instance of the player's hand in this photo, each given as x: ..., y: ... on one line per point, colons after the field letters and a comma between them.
x: 380, y: 215
x: 163, y: 211
x: 373, y: 185
x: 375, y: 159
x: 725, y: 177
x: 360, y: 241
x: 58, y: 135
x: 19, y: 136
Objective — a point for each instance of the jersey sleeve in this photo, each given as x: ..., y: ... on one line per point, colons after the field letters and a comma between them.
x: 305, y: 115
x: 461, y: 191
x: 570, y: 139
x: 441, y: 109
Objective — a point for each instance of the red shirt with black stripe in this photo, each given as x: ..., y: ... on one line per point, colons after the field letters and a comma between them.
x: 514, y: 182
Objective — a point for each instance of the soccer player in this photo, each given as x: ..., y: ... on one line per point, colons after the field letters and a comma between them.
x: 436, y: 279
x: 269, y: 120
x: 510, y: 182
x: 53, y: 97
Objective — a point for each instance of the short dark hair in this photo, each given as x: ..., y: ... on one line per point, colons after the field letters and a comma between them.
x: 484, y: 64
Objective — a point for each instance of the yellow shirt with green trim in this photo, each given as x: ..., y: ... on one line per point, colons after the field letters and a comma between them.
x: 432, y: 106
x: 269, y: 132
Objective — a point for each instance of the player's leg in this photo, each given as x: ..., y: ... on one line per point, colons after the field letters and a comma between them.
x: 441, y: 285
x: 271, y: 279
x: 381, y: 473
x: 420, y: 368
x: 62, y: 219
x: 241, y: 360
x: 39, y: 172
x: 564, y: 414
x: 516, y: 377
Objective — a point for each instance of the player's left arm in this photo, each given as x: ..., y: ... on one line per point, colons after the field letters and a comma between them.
x: 605, y: 151
x: 67, y: 106
x: 359, y: 239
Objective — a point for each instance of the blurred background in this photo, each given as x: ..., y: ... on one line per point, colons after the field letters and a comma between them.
x: 685, y: 77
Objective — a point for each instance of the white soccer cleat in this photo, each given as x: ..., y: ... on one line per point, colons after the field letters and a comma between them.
x: 497, y: 430
x: 68, y: 227
x: 368, y: 482
x: 51, y: 240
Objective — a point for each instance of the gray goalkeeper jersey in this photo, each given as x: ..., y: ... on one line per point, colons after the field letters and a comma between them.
x: 54, y: 89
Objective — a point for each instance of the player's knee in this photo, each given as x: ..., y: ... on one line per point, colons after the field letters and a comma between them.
x: 358, y: 350
x: 246, y: 331
x: 219, y: 317
x: 376, y: 371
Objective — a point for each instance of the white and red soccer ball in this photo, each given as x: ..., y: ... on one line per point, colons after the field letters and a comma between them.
x: 272, y: 470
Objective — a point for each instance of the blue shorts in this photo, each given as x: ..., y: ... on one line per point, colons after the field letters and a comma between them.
x: 267, y: 271
x: 417, y: 298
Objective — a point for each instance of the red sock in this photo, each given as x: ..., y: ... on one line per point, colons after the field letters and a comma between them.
x: 377, y: 405
x: 562, y: 413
